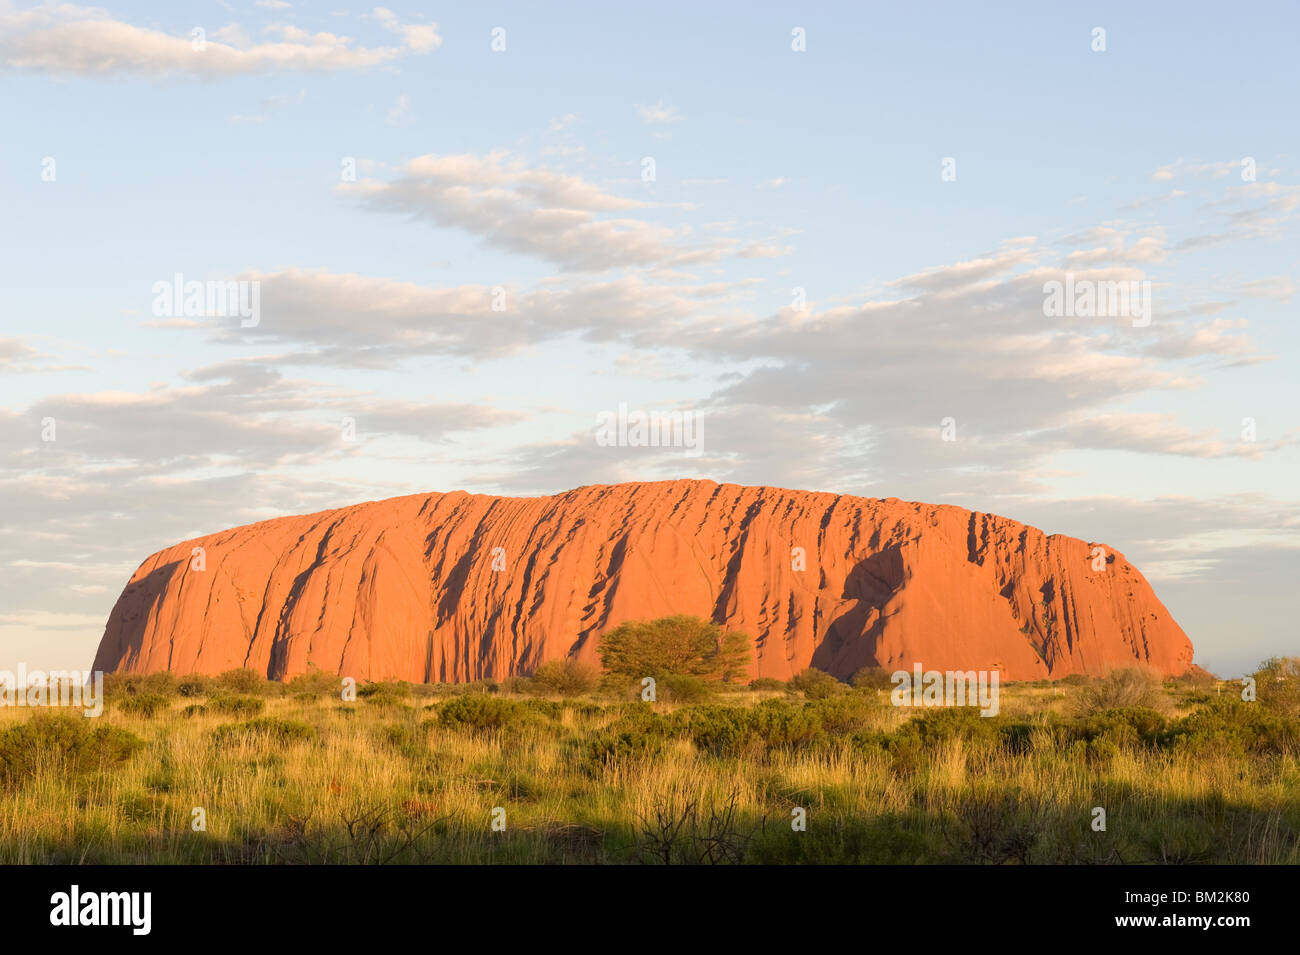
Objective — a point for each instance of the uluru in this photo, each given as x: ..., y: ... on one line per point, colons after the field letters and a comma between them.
x: 458, y: 586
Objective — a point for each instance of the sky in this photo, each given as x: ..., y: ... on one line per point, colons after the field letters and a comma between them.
x: 827, y: 233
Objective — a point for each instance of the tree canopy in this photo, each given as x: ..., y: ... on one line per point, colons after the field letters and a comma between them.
x: 683, y: 645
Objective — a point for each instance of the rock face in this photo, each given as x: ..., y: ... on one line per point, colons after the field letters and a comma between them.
x: 453, y: 587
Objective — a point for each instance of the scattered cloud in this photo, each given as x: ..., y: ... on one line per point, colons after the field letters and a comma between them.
x: 85, y: 41
x: 422, y: 38
x: 399, y: 114
x: 555, y: 217
x: 658, y: 113
x: 1279, y: 288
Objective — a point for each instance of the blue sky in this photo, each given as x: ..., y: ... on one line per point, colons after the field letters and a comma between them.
x: 521, y: 170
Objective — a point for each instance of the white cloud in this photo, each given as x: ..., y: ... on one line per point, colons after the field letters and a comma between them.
x: 1117, y: 243
x: 85, y: 41
x: 552, y: 216
x: 1279, y: 288
x: 657, y: 113
x: 422, y: 38
x: 399, y: 114
x: 1150, y: 434
x: 11, y: 350
x: 356, y: 321
x: 1183, y: 167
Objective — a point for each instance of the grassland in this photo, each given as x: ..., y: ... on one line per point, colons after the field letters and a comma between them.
x: 505, y: 774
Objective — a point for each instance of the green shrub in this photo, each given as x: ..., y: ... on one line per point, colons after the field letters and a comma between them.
x: 685, y: 645
x: 845, y: 713
x: 718, y: 730
x: 243, y: 681
x: 1100, y: 751
x: 63, y: 743
x: 120, y: 684
x: 584, y: 711
x: 1119, y: 689
x: 945, y: 724
x: 194, y: 709
x: 767, y: 684
x: 161, y: 683
x: 146, y: 705
x: 1233, y: 727
x: 384, y: 693
x: 740, y: 731
x: 316, y: 683
x: 1127, y: 727
x: 477, y: 711
x: 192, y: 685
x: 543, y: 709
x: 232, y: 705
x: 781, y: 725
x: 678, y: 688
x: 1277, y: 685
x: 636, y: 732
x: 565, y: 678
x: 815, y: 684
x: 872, y: 678
x: 265, y: 729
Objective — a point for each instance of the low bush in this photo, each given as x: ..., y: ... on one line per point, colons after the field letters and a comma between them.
x: 233, y: 705
x: 316, y: 683
x: 636, y: 732
x: 846, y: 712
x: 932, y: 728
x: 193, y: 685
x: 243, y: 681
x: 1124, y: 727
x: 565, y: 678
x: 268, y: 729
x: 751, y: 731
x: 64, y: 744
x: 872, y: 678
x: 1119, y: 689
x: 679, y: 688
x: 815, y: 684
x: 145, y: 705
x: 1235, y: 728
x: 477, y: 711
x: 1277, y: 685
x: 385, y: 693
x: 162, y: 683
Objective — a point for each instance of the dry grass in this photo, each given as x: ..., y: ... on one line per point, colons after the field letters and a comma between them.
x: 385, y: 781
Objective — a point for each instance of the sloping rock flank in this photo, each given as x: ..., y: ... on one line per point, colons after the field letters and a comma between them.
x: 454, y: 587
